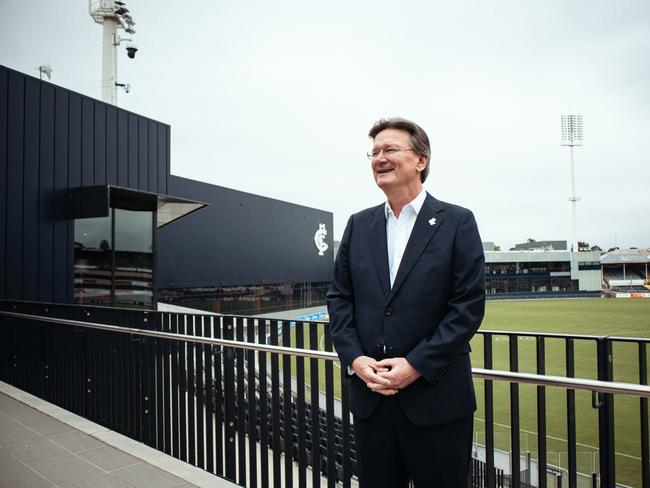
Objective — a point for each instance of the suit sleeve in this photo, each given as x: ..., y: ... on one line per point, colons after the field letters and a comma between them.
x: 340, y: 304
x: 465, y: 308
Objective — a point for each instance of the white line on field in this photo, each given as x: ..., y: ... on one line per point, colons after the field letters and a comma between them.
x: 562, y: 440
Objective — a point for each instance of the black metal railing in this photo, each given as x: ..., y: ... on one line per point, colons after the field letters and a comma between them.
x: 262, y: 402
x: 595, y: 357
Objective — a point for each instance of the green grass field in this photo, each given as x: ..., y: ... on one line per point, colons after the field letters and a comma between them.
x: 629, y: 318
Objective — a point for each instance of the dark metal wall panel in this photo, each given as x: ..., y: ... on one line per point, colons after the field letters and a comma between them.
x: 87, y: 136
x: 241, y: 239
x: 30, y: 190
x: 143, y: 170
x: 168, y: 171
x: 111, y: 145
x: 133, y: 151
x: 75, y: 170
x: 152, y: 160
x: 45, y: 194
x: 15, y: 156
x: 53, y: 140
x: 162, y: 158
x: 75, y: 136
x: 4, y: 101
x: 99, y: 144
x: 122, y: 149
x: 61, y: 261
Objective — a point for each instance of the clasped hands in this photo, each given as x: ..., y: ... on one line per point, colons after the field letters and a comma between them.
x: 387, y: 376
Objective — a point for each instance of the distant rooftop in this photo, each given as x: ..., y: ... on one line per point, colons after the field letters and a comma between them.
x: 489, y: 246
x: 621, y: 256
x: 542, y: 246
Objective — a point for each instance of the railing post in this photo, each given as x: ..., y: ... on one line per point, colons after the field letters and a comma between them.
x: 276, y: 427
x: 571, y: 415
x: 489, y: 414
x: 643, y: 411
x: 229, y: 400
x: 252, y: 405
x: 606, y: 416
x: 541, y: 417
x: 148, y: 382
x: 315, y: 408
x: 240, y: 381
x: 515, y: 461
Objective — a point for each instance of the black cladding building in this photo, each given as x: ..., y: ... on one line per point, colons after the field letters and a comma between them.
x: 89, y: 213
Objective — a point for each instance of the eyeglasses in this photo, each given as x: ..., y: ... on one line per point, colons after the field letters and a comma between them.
x: 389, y: 151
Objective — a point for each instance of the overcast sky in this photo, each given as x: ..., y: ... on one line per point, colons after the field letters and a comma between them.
x: 276, y: 98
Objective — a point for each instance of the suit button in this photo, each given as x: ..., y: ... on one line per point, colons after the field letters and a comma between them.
x: 388, y: 312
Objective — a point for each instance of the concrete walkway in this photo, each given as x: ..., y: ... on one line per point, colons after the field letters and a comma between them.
x: 42, y: 445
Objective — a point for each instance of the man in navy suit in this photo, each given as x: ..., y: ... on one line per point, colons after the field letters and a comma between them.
x: 406, y: 298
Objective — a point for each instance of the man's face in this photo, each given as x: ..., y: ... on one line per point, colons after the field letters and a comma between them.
x: 394, y: 169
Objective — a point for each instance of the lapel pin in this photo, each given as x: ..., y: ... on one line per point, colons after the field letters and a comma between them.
x: 432, y: 221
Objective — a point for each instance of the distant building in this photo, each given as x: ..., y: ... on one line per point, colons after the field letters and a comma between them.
x: 541, y: 246
x: 625, y: 272
x: 533, y: 272
x: 489, y: 246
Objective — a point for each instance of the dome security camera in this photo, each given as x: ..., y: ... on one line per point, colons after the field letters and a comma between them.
x: 131, y: 49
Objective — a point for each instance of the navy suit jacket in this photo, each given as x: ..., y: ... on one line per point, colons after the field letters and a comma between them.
x: 429, y: 315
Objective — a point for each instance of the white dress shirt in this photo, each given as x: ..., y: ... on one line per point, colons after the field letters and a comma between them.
x: 398, y: 231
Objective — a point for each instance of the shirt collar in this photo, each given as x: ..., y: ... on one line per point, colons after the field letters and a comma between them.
x: 415, y: 204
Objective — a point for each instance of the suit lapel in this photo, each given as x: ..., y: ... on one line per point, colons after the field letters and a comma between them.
x: 423, y: 231
x: 378, y: 247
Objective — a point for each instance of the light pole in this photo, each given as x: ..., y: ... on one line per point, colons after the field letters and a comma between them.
x: 572, y: 136
x: 112, y: 14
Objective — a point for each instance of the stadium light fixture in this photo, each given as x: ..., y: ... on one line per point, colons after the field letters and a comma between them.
x: 571, y: 129
x: 111, y: 14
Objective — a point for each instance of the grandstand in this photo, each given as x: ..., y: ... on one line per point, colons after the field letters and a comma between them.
x: 542, y: 273
x: 625, y: 273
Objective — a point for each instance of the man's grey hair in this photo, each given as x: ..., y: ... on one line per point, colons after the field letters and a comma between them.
x: 419, y: 138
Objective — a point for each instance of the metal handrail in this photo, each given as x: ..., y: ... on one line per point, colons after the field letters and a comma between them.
x: 555, y: 335
x: 251, y: 346
x: 563, y: 382
x: 487, y: 374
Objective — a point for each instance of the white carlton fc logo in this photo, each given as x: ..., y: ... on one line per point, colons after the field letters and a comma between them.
x: 319, y: 239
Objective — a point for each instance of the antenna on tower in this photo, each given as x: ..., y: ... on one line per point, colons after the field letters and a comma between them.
x: 46, y: 70
x: 112, y: 14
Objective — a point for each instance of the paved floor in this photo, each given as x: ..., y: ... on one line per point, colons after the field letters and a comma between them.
x: 37, y: 450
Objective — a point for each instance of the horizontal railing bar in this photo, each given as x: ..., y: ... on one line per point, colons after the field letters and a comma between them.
x: 556, y: 335
x: 561, y: 381
x: 481, y: 331
x: 488, y: 374
x: 308, y: 353
x: 538, y: 334
x: 636, y: 340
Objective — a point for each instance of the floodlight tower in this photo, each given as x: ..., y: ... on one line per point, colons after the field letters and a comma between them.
x: 112, y: 14
x: 572, y: 136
